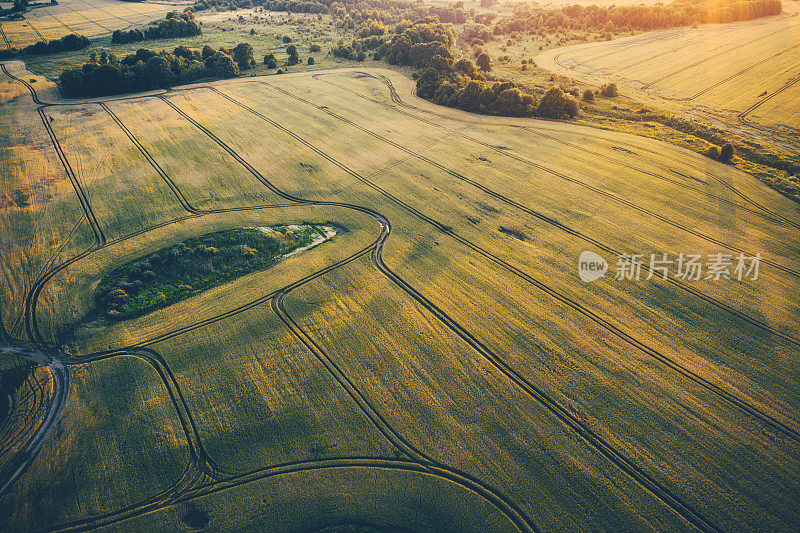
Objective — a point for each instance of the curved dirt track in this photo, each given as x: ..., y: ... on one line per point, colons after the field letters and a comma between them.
x: 208, y: 478
x: 200, y: 462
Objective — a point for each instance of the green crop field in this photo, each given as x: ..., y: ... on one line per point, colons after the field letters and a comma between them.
x: 437, y: 365
x: 739, y: 74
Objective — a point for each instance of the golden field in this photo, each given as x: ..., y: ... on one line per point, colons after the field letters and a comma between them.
x: 744, y: 73
x: 93, y: 18
x: 451, y: 373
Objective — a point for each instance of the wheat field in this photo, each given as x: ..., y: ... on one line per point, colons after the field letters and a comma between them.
x: 438, y: 366
x: 744, y: 72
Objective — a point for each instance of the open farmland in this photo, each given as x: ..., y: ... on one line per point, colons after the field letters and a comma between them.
x: 437, y: 366
x: 743, y: 72
x: 92, y: 18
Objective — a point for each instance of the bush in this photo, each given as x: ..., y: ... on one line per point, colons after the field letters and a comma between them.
x: 315, y: 47
x: 293, y: 54
x: 243, y: 55
x: 713, y: 152
x: 609, y: 90
x: 484, y: 62
x: 287, y: 39
x: 361, y: 56
x: 588, y: 95
x: 556, y: 104
x: 726, y: 153
x: 310, y: 60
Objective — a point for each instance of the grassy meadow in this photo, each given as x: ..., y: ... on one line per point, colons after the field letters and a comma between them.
x: 451, y: 379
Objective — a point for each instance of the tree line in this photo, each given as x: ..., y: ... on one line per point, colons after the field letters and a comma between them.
x: 67, y: 43
x: 174, y: 25
x: 463, y: 84
x: 105, y: 74
x: 533, y: 18
x: 350, y: 13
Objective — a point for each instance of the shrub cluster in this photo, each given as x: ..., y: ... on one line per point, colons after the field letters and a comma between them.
x: 724, y: 154
x: 173, y: 26
x: 173, y: 274
x: 459, y: 84
x: 105, y: 74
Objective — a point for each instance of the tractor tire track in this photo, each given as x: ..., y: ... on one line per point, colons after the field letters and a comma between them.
x: 571, y: 421
x: 529, y: 211
x: 5, y: 39
x: 171, y: 184
x: 602, y: 322
x: 767, y: 214
x: 742, y: 116
x: 197, y: 452
x: 100, y: 238
x: 31, y: 26
x: 696, y: 292
x: 335, y: 463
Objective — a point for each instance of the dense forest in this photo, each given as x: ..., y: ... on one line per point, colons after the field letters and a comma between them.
x: 173, y: 26
x: 106, y: 74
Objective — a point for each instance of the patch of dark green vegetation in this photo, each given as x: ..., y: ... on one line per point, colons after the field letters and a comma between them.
x: 513, y: 233
x: 195, y: 265
x: 106, y: 74
x: 56, y: 46
x: 14, y: 371
x: 361, y: 528
x: 196, y: 518
x: 173, y: 26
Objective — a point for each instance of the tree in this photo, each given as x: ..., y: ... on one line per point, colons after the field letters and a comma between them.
x: 726, y: 153
x: 243, y: 55
x: 108, y: 79
x: 361, y: 56
x: 466, y: 67
x: 469, y: 98
x: 293, y: 54
x: 556, y: 104
x: 207, y: 52
x: 223, y: 66
x: 484, y: 62
x: 160, y: 72
x: 609, y: 90
x: 310, y: 60
x: 713, y: 152
x: 183, y: 51
x: 72, y: 82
